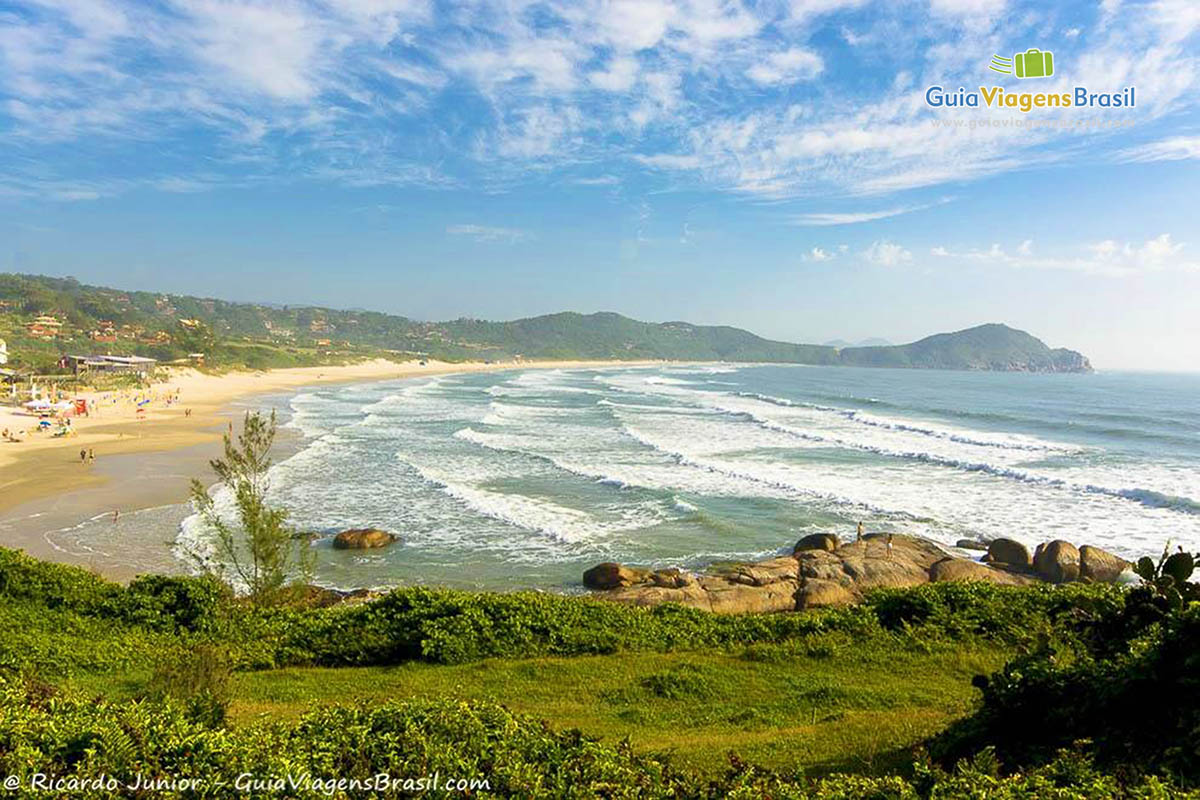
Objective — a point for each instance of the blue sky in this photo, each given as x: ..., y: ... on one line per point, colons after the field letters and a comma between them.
x: 772, y: 165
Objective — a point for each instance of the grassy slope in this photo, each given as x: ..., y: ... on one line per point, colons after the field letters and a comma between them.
x: 830, y: 704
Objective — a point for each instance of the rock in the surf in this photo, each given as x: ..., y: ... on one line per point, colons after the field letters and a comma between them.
x: 1009, y: 551
x: 363, y: 539
x: 1057, y: 561
x: 971, y: 544
x: 1100, y: 565
x: 817, y: 541
x: 611, y: 575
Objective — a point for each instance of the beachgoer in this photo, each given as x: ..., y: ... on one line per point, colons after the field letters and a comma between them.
x: 860, y: 531
x: 91, y: 456
x: 82, y: 455
x: 889, y: 545
x: 116, y: 515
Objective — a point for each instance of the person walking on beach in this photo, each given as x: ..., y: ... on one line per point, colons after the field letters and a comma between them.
x: 116, y: 515
x: 82, y: 455
x: 889, y: 545
x: 91, y: 456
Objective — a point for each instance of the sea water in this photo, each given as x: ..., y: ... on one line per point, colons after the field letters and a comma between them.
x: 525, y: 478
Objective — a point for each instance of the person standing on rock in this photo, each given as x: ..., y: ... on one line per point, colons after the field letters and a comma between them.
x: 860, y: 531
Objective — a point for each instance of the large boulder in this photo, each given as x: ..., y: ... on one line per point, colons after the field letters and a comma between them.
x: 363, y: 539
x: 1009, y: 551
x: 817, y: 541
x: 611, y: 575
x: 971, y: 544
x: 818, y: 593
x: 1100, y: 565
x: 960, y: 569
x: 1057, y: 561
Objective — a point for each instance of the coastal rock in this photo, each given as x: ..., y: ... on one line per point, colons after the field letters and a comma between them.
x: 363, y: 539
x: 735, y: 598
x: 611, y: 575
x: 817, y: 541
x: 971, y: 544
x: 958, y: 569
x: 820, y: 593
x: 671, y: 578
x: 691, y: 595
x: 862, y: 566
x: 1100, y: 565
x: 1009, y: 551
x: 1057, y: 561
x: 762, y: 573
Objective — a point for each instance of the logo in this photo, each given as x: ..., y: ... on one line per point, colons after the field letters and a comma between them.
x: 1033, y: 63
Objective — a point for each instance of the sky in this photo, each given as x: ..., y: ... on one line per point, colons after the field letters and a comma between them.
x: 774, y: 165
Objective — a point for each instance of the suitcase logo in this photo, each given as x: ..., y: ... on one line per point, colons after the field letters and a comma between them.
x: 1033, y: 63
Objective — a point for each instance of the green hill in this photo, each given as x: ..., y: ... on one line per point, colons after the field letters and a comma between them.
x: 167, y: 326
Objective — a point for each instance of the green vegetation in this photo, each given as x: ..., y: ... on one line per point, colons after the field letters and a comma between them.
x: 259, y: 547
x: 256, y: 335
x: 1090, y: 690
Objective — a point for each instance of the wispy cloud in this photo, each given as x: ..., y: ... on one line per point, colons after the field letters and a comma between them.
x: 1109, y: 257
x: 489, y: 233
x: 718, y: 94
x: 1174, y: 148
x: 854, y: 217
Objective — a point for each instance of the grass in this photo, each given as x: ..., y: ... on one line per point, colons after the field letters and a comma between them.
x: 829, y: 703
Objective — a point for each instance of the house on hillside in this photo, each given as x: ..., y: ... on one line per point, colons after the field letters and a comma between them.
x: 45, y: 326
x: 3, y: 352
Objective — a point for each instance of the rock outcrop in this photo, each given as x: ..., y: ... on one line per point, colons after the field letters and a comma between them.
x: 363, y: 539
x: 1099, y: 565
x: 817, y: 541
x: 816, y: 576
x: 1008, y: 551
x: 959, y: 569
x: 1057, y: 561
x: 611, y: 575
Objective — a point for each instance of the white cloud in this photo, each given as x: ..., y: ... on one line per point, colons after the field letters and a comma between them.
x: 1174, y: 148
x: 486, y: 91
x: 1109, y: 257
x: 620, y: 75
x: 488, y: 233
x: 852, y: 217
x: 787, y: 66
x: 818, y: 254
x: 887, y: 254
x: 967, y: 8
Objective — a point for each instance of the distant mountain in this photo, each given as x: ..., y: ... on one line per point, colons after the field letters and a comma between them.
x: 986, y: 347
x: 44, y: 318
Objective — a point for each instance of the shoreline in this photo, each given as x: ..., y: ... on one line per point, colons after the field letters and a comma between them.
x: 147, y: 463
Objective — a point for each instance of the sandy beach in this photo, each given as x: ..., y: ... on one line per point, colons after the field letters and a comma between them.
x: 146, y: 459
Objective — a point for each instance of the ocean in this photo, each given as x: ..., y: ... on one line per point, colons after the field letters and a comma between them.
x: 526, y: 478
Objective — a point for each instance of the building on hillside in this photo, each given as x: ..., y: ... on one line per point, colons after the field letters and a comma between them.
x: 3, y: 352
x: 46, y: 326
x: 110, y: 365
